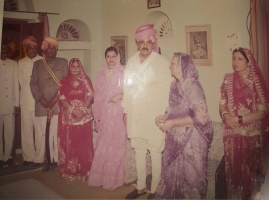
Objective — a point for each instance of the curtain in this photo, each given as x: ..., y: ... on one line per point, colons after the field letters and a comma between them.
x: 259, y: 34
x: 43, y: 17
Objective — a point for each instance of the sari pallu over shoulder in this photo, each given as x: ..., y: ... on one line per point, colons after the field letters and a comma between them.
x: 187, y: 98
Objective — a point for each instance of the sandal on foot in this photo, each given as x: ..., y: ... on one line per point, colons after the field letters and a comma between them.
x: 134, y: 194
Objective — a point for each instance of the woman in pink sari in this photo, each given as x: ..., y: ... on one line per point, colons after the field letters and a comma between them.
x: 109, y: 161
x: 75, y: 123
x: 244, y: 110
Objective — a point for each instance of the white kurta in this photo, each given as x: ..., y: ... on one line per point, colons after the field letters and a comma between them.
x: 145, y: 96
x: 146, y: 91
x: 28, y: 119
x: 9, y: 86
x: 9, y: 97
x: 25, y: 67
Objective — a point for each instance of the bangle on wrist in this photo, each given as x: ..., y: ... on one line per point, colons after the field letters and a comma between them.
x: 240, y: 119
x: 224, y: 113
x: 70, y: 109
x: 173, y: 123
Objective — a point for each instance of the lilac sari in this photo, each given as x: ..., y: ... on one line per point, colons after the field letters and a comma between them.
x: 184, y: 166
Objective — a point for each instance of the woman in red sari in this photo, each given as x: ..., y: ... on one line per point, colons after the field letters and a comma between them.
x: 244, y: 109
x: 75, y: 123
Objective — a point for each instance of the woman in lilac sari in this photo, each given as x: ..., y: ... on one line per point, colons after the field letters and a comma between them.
x: 189, y: 134
x: 109, y: 161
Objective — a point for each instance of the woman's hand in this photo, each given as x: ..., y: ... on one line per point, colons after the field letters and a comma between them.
x: 160, y: 119
x: 167, y: 125
x: 230, y: 120
x: 96, y: 125
x: 78, y: 113
x: 115, y: 98
x: 124, y: 118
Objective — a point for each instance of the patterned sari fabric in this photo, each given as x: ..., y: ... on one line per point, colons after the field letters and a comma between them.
x: 109, y: 161
x: 244, y: 144
x: 184, y: 166
x: 75, y: 137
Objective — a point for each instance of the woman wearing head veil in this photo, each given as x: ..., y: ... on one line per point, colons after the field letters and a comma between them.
x: 75, y: 123
x: 109, y: 161
x: 189, y: 133
x: 244, y: 107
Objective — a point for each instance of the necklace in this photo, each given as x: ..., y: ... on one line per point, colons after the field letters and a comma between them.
x: 75, y: 83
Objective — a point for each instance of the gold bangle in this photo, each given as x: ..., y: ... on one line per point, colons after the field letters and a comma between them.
x: 224, y: 113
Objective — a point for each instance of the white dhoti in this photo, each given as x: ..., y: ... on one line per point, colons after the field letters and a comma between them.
x: 8, y: 120
x: 53, y: 144
x: 155, y: 148
x: 30, y: 145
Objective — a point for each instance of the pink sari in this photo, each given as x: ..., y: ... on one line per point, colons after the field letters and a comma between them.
x: 109, y: 160
x: 244, y: 146
x: 75, y: 137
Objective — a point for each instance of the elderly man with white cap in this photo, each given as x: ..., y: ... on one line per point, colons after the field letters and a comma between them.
x: 146, y: 88
x: 45, y: 75
x: 30, y: 147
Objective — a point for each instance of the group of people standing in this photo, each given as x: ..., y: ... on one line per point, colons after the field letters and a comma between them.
x: 60, y: 102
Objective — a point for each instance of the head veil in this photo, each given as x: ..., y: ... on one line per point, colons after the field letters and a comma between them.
x: 193, y: 91
x: 117, y: 67
x: 256, y: 76
x: 82, y: 76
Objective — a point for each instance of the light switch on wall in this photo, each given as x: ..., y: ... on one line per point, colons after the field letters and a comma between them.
x: 233, y: 41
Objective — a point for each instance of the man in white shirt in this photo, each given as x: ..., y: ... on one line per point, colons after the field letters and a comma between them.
x: 9, y: 106
x: 146, y: 88
x: 30, y: 147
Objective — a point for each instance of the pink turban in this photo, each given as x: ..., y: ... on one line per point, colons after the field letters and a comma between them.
x: 147, y: 30
x: 29, y: 40
x: 49, y: 40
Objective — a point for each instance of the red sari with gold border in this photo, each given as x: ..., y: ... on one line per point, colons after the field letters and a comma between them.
x: 75, y: 140
x: 244, y: 145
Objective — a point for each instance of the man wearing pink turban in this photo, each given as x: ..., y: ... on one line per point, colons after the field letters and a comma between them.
x: 27, y: 105
x: 146, y: 87
x: 45, y: 92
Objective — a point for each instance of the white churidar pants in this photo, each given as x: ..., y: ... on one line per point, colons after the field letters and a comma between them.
x: 155, y: 148
x: 30, y: 146
x: 52, y: 137
x: 8, y: 120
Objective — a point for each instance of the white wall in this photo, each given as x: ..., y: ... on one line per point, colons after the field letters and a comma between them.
x: 106, y: 18
x: 88, y: 11
x: 122, y: 17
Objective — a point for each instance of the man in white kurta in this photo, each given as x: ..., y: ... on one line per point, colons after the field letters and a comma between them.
x: 146, y: 89
x: 30, y: 147
x: 9, y: 104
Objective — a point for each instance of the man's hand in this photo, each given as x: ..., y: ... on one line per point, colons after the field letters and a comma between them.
x: 16, y: 110
x: 43, y: 102
x: 160, y: 119
x: 52, y: 102
x: 124, y: 119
